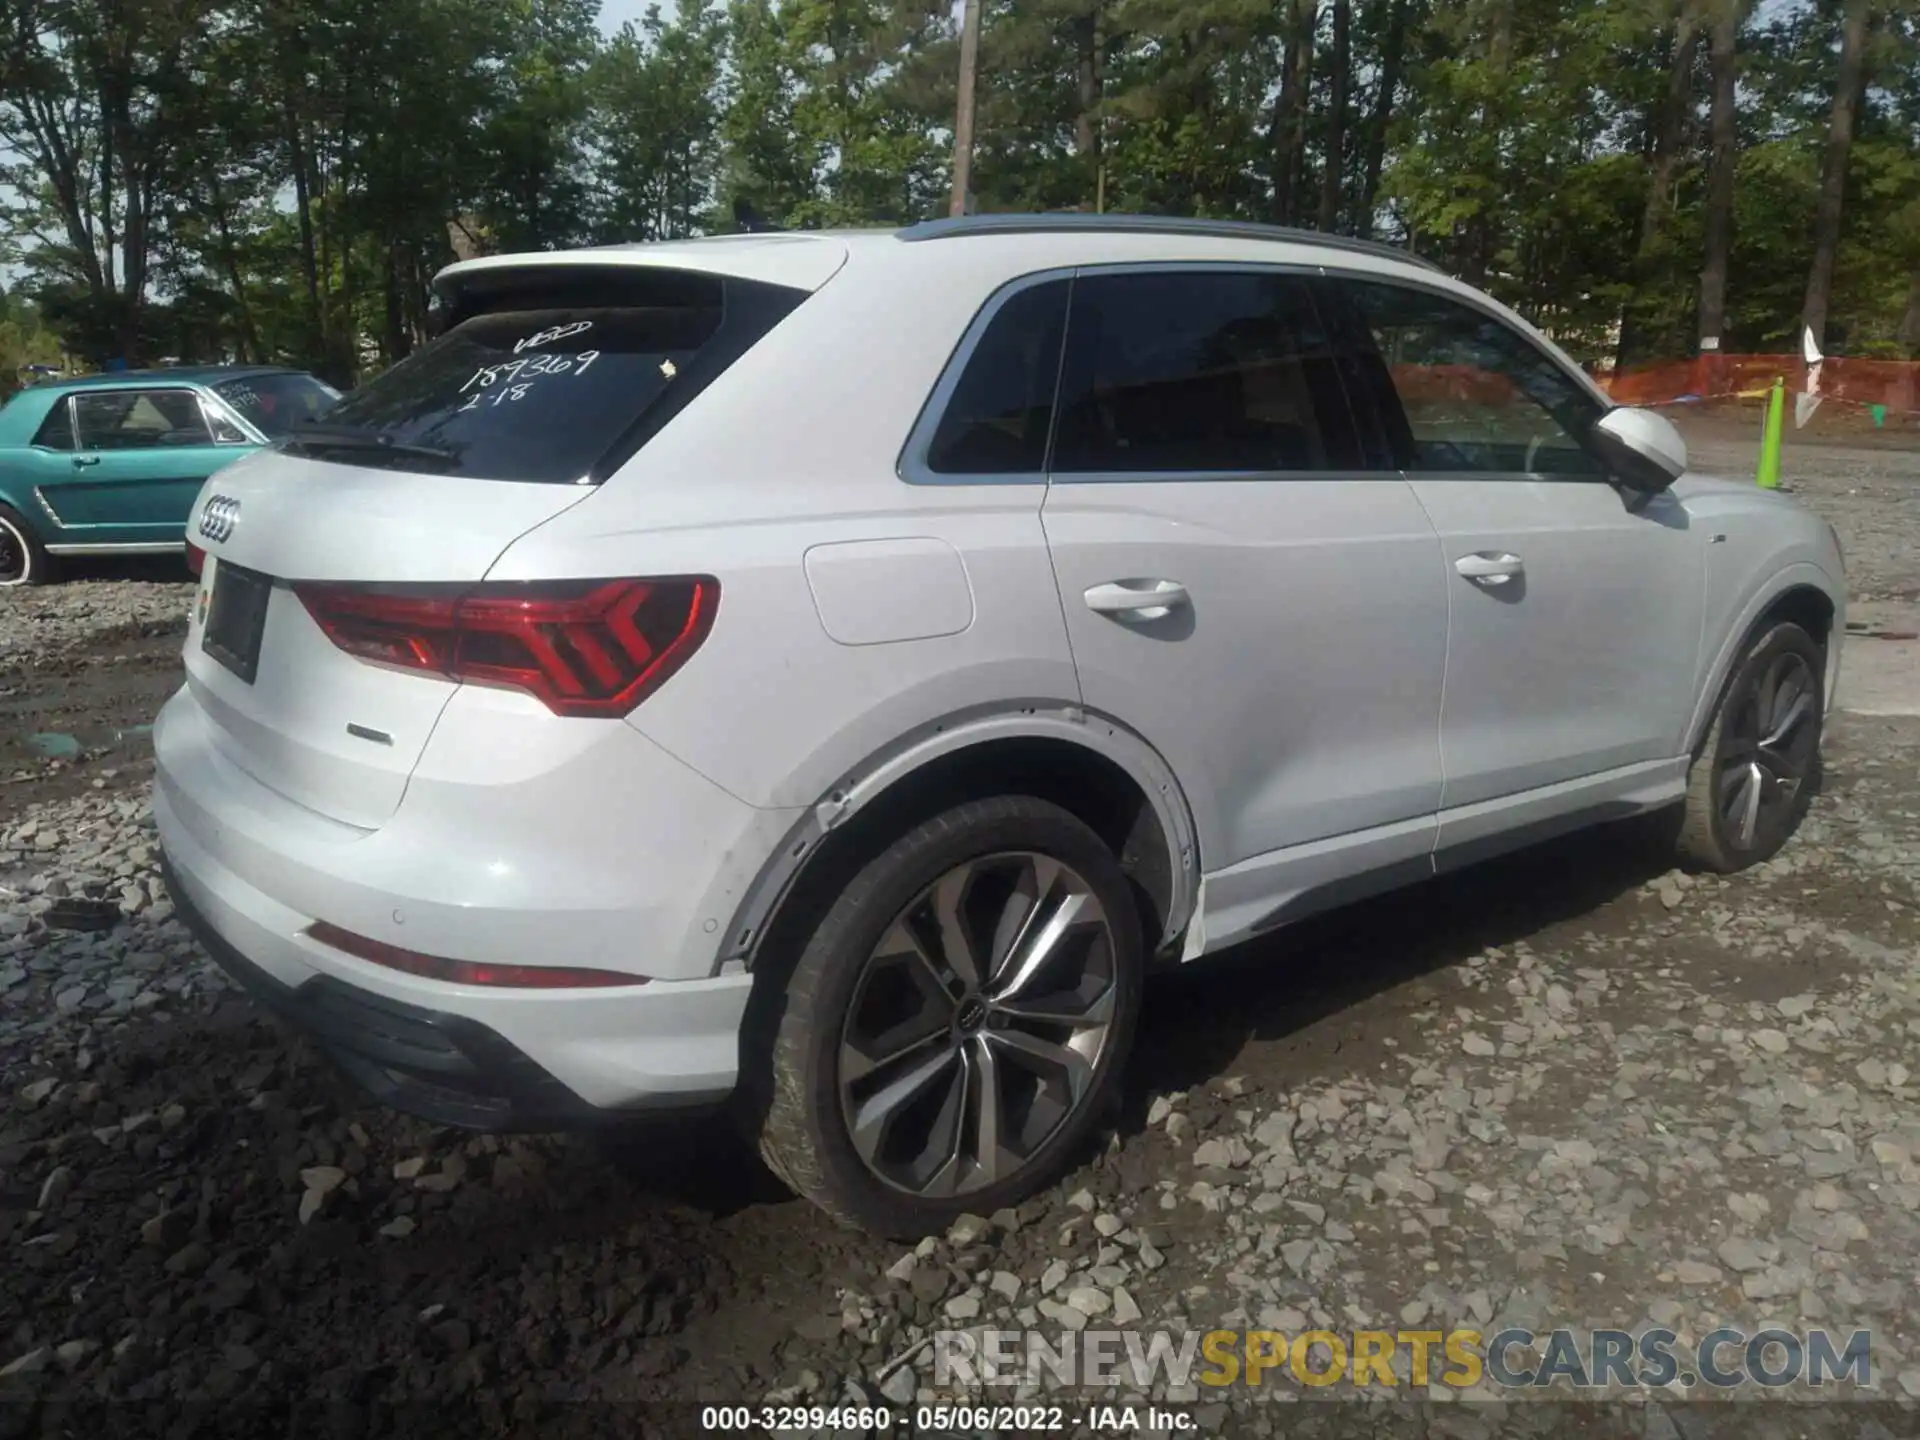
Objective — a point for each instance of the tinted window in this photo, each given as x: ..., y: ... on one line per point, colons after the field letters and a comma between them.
x: 274, y: 404
x: 997, y: 419
x: 56, y: 431
x: 553, y: 376
x: 139, y: 419
x: 1477, y: 394
x: 1199, y: 371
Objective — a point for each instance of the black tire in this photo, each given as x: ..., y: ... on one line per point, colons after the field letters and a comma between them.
x: 23, y: 559
x: 854, y: 968
x: 1755, y: 773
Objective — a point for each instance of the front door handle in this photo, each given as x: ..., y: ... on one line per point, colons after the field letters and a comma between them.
x: 1487, y: 567
x: 80, y: 462
x: 1137, y: 599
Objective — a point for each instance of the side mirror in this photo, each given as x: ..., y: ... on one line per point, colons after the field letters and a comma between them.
x: 1643, y: 449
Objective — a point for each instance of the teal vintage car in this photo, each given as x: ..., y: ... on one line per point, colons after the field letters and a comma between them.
x: 110, y: 464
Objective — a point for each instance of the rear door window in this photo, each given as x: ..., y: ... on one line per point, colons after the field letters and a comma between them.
x: 1200, y: 371
x: 550, y: 376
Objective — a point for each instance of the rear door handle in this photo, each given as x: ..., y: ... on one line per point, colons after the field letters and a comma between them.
x: 1137, y: 599
x: 1488, y: 567
x: 80, y: 462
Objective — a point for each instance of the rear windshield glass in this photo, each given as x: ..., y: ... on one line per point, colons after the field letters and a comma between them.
x: 555, y: 380
x: 274, y: 404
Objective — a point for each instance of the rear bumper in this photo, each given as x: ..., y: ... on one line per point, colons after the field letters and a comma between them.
x: 442, y: 1067
x: 250, y: 872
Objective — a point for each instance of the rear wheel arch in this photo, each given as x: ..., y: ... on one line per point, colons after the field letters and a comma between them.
x: 1093, y: 767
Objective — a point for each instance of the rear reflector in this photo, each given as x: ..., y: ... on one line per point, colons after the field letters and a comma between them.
x: 582, y: 647
x: 196, y: 557
x: 464, y: 972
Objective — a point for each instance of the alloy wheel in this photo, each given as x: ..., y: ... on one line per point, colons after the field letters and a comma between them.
x: 1771, y: 739
x: 978, y: 1024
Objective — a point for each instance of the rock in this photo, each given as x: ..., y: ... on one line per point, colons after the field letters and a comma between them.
x: 1576, y: 1152
x: 901, y: 1386
x: 1740, y: 1255
x: 1773, y: 1042
x: 962, y: 1307
x: 1479, y: 1045
x: 1081, y: 1200
x: 1126, y: 1311
x: 32, y: 1095
x: 1105, y: 1225
x: 1158, y: 1111
x: 409, y: 1169
x: 1150, y: 1256
x: 901, y: 1271
x: 1064, y: 1316
x: 1089, y: 1301
x: 1006, y: 1284
x: 1230, y: 1153
x: 312, y: 1202
x: 167, y: 1230
x: 1054, y: 1276
x: 967, y: 1230
x: 323, y: 1178
x: 55, y: 1188
x: 930, y: 1284
x: 1694, y: 1272
x: 74, y: 1353
x: 189, y: 1259
x: 399, y: 1227
x: 31, y: 1363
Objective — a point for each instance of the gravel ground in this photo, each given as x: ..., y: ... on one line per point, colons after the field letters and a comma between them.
x: 1569, y: 1088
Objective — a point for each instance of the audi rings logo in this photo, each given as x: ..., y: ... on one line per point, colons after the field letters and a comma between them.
x: 218, y: 520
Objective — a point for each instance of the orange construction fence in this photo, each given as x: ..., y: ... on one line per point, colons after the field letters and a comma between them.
x: 1892, y: 384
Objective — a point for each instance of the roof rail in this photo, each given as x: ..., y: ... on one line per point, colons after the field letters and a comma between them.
x: 1072, y: 220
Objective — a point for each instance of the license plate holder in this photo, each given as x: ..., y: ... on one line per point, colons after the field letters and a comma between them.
x: 237, y: 618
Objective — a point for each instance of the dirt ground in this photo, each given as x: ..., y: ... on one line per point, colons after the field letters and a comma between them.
x: 1566, y: 1088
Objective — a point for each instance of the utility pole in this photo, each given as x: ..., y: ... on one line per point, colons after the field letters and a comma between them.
x: 963, y: 111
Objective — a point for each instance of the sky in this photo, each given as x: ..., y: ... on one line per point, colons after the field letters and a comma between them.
x: 615, y: 13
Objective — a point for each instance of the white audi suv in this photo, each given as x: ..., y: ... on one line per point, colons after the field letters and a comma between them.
x: 824, y: 671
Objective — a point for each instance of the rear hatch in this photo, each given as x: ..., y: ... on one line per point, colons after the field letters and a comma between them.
x: 393, y: 507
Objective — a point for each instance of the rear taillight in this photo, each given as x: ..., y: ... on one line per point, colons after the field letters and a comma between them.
x: 583, y: 647
x: 466, y: 972
x: 196, y: 557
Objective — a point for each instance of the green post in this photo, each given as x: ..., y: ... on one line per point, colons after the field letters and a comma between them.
x: 1879, y: 417
x: 1771, y: 438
